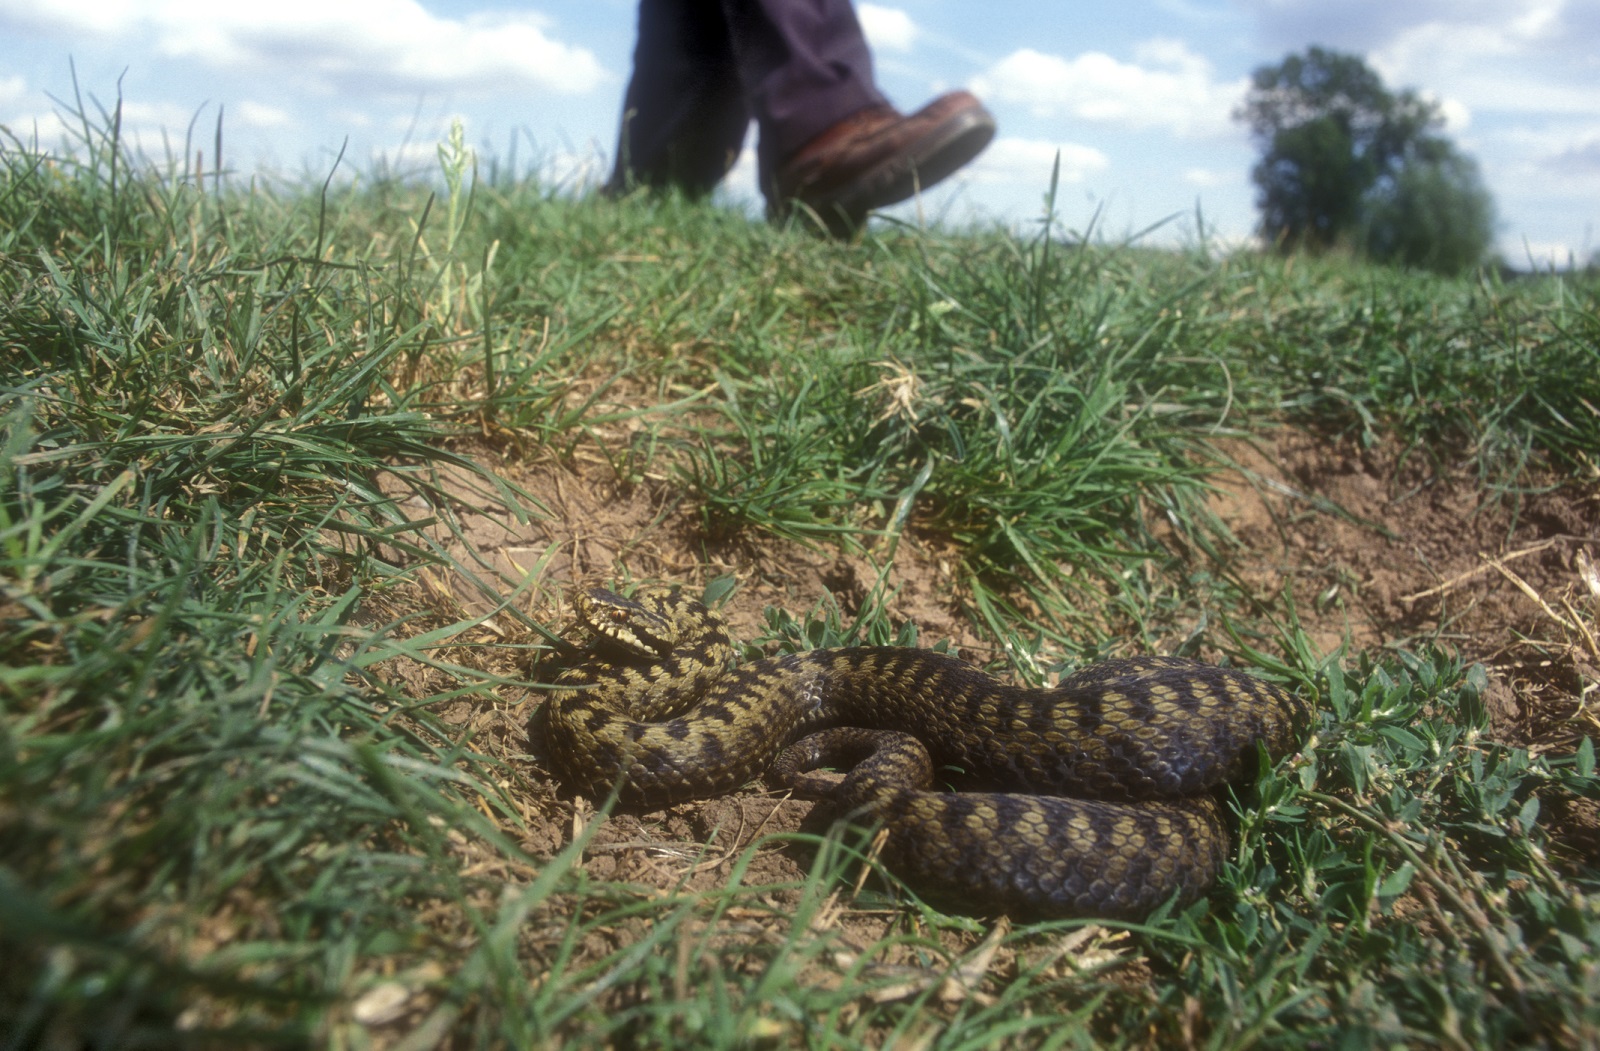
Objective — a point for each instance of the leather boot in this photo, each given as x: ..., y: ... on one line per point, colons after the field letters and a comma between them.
x: 879, y: 157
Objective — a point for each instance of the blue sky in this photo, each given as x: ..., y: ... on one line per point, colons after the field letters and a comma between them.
x: 1134, y: 94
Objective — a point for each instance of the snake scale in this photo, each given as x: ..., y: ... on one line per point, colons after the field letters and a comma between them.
x: 1090, y: 798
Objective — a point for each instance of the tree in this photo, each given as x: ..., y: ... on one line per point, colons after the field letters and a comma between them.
x: 1434, y: 215
x: 1347, y: 162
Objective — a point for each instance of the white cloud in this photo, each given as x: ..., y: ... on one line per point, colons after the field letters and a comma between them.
x: 12, y: 89
x: 1528, y: 141
x: 1370, y: 25
x: 1457, y: 116
x: 1513, y: 55
x: 411, y: 157
x: 260, y: 115
x: 1029, y: 161
x: 393, y: 45
x: 1579, y: 157
x: 1570, y: 171
x: 1494, y: 56
x: 155, y: 115
x: 887, y: 28
x: 1553, y: 173
x: 1545, y: 255
x: 1205, y: 177
x: 1518, y: 86
x: 95, y: 17
x: 1416, y: 53
x: 1171, y: 88
x: 154, y: 128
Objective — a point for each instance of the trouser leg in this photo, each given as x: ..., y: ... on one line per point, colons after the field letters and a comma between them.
x: 703, y: 69
x: 684, y: 115
x: 805, y: 67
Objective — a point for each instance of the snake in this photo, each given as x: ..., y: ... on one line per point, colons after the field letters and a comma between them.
x: 1095, y: 797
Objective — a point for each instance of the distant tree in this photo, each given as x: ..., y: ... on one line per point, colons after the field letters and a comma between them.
x: 1345, y: 161
x: 1434, y: 214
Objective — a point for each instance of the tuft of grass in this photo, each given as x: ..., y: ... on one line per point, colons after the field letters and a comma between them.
x: 197, y: 415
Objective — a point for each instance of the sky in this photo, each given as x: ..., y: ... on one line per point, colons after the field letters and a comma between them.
x: 1134, y: 96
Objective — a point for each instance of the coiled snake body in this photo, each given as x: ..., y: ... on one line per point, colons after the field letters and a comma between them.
x: 1094, y: 794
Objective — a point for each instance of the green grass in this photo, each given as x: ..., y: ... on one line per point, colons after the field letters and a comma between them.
x: 222, y: 817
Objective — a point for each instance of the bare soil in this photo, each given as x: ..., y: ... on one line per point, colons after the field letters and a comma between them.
x: 1376, y: 551
x: 1381, y: 553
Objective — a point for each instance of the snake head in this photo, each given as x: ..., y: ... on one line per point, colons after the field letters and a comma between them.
x: 630, y: 623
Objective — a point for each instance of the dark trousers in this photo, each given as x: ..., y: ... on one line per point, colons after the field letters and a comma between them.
x: 703, y: 69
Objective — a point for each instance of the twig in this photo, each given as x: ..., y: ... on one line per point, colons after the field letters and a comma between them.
x: 1527, y: 589
x: 1577, y: 618
x: 1488, y: 564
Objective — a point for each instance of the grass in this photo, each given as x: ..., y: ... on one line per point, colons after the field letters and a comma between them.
x: 225, y: 817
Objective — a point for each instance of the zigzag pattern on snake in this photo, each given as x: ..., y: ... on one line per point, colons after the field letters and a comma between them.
x: 1093, y: 796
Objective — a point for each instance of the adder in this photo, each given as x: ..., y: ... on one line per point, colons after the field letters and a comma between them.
x: 1095, y: 797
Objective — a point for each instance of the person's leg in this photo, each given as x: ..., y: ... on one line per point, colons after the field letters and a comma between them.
x: 684, y: 115
x: 805, y: 66
x: 829, y: 140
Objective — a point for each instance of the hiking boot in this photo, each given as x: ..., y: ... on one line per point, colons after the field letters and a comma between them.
x: 878, y: 157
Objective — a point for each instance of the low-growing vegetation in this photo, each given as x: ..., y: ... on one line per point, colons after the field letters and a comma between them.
x: 293, y: 480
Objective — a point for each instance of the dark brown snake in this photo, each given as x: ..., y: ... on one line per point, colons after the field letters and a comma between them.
x: 1094, y: 797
